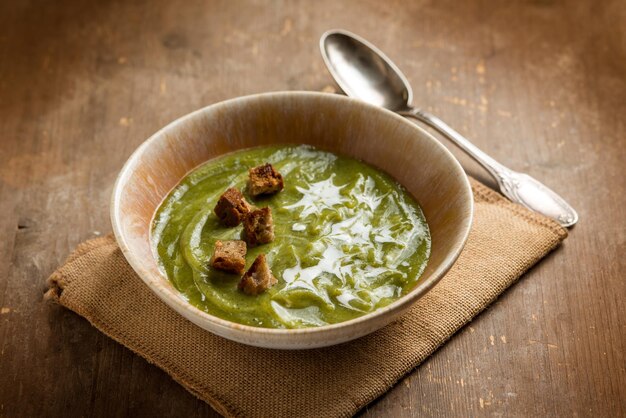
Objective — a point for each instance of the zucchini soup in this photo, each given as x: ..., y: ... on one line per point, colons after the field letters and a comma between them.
x: 324, y: 238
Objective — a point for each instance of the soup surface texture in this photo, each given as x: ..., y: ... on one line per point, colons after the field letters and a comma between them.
x: 349, y: 239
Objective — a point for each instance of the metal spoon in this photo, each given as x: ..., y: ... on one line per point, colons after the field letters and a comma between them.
x: 364, y: 72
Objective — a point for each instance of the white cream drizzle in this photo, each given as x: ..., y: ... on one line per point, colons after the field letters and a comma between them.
x: 318, y: 196
x: 298, y: 227
x: 344, y: 249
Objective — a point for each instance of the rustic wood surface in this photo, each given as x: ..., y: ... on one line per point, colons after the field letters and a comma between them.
x: 539, y: 84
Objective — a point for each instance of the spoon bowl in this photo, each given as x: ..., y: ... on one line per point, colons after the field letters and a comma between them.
x: 364, y: 72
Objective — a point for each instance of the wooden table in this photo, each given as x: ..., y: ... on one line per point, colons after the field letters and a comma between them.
x: 538, y: 84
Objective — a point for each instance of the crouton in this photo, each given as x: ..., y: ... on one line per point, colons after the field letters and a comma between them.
x: 232, y: 207
x: 258, y: 227
x: 258, y: 278
x: 229, y: 256
x: 264, y: 180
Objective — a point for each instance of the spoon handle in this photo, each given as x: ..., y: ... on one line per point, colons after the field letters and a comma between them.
x: 518, y: 187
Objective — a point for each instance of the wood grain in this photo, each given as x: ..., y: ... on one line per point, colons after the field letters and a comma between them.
x: 538, y: 84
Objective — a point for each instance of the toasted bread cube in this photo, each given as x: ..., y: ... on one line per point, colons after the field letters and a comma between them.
x: 264, y: 180
x: 258, y: 227
x: 258, y: 278
x: 232, y: 207
x: 229, y: 256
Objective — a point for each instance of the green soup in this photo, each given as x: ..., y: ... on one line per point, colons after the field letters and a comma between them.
x: 349, y: 239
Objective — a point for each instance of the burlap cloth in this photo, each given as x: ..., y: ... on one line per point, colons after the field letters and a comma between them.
x: 97, y: 283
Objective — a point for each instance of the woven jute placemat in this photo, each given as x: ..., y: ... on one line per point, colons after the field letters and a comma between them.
x: 97, y: 283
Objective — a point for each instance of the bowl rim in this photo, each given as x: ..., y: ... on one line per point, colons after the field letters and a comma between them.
x: 174, y: 299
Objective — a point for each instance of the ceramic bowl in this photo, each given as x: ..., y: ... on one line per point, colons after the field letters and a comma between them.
x: 329, y: 122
